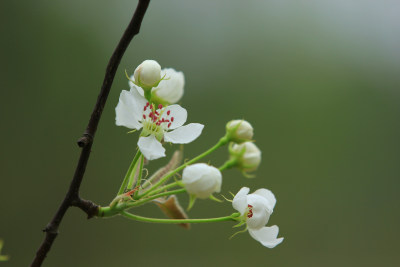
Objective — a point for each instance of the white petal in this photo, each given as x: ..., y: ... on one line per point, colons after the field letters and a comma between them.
x: 178, y: 113
x: 267, y: 194
x: 184, y: 134
x: 128, y: 110
x: 239, y: 202
x: 171, y: 89
x: 132, y: 85
x: 151, y: 148
x: 202, y: 180
x: 267, y: 236
x: 260, y: 209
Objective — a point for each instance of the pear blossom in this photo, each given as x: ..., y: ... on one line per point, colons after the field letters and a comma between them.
x: 239, y: 131
x: 247, y: 154
x: 158, y: 123
x: 255, y: 210
x: 169, y: 90
x: 148, y: 74
x: 201, y: 180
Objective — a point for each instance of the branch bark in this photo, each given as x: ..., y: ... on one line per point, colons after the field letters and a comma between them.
x: 72, y: 197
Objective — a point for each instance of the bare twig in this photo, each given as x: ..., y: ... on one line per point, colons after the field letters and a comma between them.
x: 72, y: 197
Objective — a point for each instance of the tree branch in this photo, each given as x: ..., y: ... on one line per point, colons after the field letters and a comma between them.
x: 72, y: 197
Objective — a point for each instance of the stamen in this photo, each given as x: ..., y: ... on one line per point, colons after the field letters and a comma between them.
x: 159, y: 106
x: 172, y: 119
x: 144, y: 116
x: 168, y: 112
x: 169, y: 125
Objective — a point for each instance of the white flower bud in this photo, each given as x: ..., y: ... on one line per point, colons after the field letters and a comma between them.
x: 170, y: 90
x: 201, y: 180
x: 239, y: 131
x: 148, y: 74
x: 248, y: 156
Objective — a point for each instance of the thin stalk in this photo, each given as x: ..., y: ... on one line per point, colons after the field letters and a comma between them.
x: 178, y: 221
x: 128, y: 173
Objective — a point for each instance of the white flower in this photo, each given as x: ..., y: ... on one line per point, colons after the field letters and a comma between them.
x: 201, y: 180
x: 255, y: 209
x: 158, y: 123
x: 148, y: 74
x: 239, y: 131
x: 169, y: 90
x: 248, y: 156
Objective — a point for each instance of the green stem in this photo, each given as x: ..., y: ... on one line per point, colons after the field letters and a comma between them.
x: 228, y: 164
x: 223, y: 141
x: 128, y: 173
x: 174, y: 221
x: 139, y: 180
x: 148, y: 199
x: 112, y: 211
x: 166, y: 187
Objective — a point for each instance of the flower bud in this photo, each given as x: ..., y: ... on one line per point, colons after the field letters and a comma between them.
x: 201, y: 180
x: 239, y: 131
x: 148, y: 74
x: 170, y: 90
x: 247, y: 156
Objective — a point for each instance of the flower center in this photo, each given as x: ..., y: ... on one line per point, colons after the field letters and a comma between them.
x: 250, y: 211
x: 154, y: 120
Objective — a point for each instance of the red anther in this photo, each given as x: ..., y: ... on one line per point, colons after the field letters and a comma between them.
x: 159, y: 106
x: 145, y: 107
x: 168, y: 112
x: 172, y: 119
x: 147, y: 104
x: 169, y: 125
x: 151, y: 114
x: 151, y: 106
x: 158, y: 114
x: 144, y: 116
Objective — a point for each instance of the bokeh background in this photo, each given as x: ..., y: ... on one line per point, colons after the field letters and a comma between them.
x: 319, y: 81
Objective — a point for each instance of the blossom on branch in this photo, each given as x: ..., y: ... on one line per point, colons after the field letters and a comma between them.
x: 158, y: 124
x: 169, y: 90
x: 201, y: 180
x: 255, y: 210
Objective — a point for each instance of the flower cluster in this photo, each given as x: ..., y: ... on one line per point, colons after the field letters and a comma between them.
x: 150, y: 107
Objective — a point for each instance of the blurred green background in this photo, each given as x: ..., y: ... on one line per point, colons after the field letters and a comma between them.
x: 319, y: 81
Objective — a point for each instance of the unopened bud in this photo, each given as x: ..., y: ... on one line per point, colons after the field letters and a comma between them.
x: 247, y: 155
x: 148, y: 74
x: 239, y: 131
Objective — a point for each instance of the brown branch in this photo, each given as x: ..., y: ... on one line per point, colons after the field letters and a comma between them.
x: 72, y: 197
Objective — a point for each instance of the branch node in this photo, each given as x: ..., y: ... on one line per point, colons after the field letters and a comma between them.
x: 85, y: 140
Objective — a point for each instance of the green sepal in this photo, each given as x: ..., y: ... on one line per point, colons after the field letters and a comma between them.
x: 192, y: 199
x: 215, y: 199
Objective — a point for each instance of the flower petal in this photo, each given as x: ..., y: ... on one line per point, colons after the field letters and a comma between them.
x: 170, y: 89
x: 267, y: 194
x: 151, y: 148
x: 127, y: 112
x: 184, y: 134
x: 178, y: 113
x: 267, y: 236
x: 261, y: 213
x: 239, y: 202
x: 132, y: 85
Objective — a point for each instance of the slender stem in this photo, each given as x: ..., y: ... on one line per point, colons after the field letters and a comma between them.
x: 139, y: 180
x: 86, y: 141
x: 111, y: 211
x: 228, y: 164
x: 224, y: 140
x: 148, y: 199
x: 177, y: 221
x: 132, y: 176
x: 129, y: 172
x: 166, y: 187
